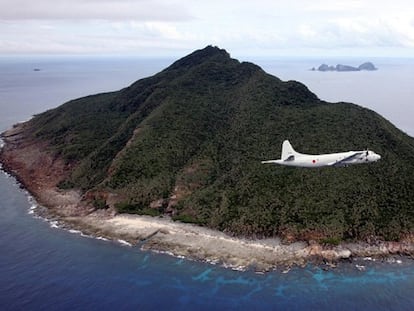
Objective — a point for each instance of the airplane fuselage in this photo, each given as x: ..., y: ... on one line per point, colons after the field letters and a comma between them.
x: 331, y: 159
x: 292, y: 158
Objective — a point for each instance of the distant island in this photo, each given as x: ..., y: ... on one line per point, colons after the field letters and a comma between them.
x: 367, y: 66
x: 185, y: 145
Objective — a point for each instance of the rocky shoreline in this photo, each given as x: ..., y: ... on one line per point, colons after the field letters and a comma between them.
x: 39, y: 172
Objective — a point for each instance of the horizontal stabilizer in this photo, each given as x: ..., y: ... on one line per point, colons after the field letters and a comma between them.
x: 270, y: 161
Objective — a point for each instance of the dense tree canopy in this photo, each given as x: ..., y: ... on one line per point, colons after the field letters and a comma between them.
x: 192, y: 137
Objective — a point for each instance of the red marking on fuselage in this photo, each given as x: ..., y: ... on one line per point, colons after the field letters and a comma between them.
x: 313, y: 161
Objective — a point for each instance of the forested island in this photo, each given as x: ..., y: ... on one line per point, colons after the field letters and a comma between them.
x: 186, y: 144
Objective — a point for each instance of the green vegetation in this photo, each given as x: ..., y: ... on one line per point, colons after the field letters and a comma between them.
x: 136, y: 209
x: 100, y: 204
x: 331, y: 241
x: 199, y: 129
x: 188, y: 219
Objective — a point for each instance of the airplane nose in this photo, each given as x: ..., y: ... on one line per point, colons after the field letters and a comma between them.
x: 378, y: 157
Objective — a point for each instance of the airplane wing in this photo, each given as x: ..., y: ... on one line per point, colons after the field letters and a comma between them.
x: 342, y: 162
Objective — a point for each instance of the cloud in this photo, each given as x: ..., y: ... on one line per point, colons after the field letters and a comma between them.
x: 91, y: 37
x: 144, y: 10
x: 242, y: 26
x: 359, y: 32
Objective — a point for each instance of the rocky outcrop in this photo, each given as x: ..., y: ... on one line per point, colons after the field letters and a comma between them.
x: 341, y: 68
x: 367, y: 66
x: 325, y: 67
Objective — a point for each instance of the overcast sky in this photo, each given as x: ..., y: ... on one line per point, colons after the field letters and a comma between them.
x: 175, y: 27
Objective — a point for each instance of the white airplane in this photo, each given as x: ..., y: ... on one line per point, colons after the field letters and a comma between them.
x: 292, y: 158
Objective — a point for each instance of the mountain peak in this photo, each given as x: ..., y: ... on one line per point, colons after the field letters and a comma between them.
x: 209, y: 51
x: 199, y: 56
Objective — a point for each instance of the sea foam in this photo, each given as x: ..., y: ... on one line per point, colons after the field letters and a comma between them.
x: 123, y: 242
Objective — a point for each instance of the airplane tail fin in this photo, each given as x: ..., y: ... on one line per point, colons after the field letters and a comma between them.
x: 287, y: 151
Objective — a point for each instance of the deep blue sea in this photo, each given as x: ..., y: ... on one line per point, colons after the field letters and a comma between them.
x: 46, y: 268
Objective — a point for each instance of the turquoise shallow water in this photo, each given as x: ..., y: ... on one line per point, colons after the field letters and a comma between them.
x: 47, y: 268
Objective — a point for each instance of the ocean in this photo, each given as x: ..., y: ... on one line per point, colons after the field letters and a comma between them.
x: 44, y: 267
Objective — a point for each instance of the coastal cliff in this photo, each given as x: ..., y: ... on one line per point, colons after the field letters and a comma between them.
x: 187, y: 142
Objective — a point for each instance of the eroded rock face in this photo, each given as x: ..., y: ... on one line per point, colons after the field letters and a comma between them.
x: 39, y: 172
x: 30, y: 161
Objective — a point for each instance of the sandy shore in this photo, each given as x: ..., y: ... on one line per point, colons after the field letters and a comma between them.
x: 39, y: 172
